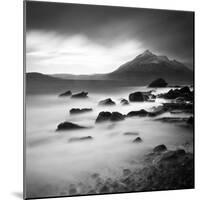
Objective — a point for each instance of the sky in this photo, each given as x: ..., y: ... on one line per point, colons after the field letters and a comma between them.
x: 89, y: 39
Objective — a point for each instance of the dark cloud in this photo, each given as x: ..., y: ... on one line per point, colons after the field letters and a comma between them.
x: 165, y: 32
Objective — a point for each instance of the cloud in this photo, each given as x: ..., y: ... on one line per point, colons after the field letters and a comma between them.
x: 54, y: 53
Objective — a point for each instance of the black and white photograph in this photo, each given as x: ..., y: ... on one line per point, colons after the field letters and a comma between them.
x: 109, y: 99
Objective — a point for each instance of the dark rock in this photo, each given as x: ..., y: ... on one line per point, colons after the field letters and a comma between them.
x: 80, y: 95
x: 160, y: 148
x: 68, y: 126
x: 124, y: 102
x: 126, y: 172
x: 65, y: 94
x: 158, y: 83
x: 103, y: 116
x: 137, y: 140
x: 190, y: 120
x: 108, y: 116
x: 178, y: 106
x: 75, y: 139
x: 136, y: 96
x: 157, y: 111
x: 141, y: 112
x: 78, y: 110
x: 185, y: 89
x: 131, y: 133
x: 116, y: 116
x: 107, y: 102
x: 184, y: 92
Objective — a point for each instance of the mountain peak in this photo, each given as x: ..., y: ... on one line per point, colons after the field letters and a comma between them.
x: 146, y: 53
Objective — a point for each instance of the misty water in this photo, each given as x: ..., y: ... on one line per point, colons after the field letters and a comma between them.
x: 53, y: 163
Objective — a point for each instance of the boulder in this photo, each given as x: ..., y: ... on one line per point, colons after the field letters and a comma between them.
x: 137, y: 140
x: 136, y: 97
x: 158, y: 83
x: 108, y: 116
x: 103, y: 116
x: 79, y: 111
x: 65, y: 94
x: 75, y: 139
x: 124, y: 102
x: 141, y: 113
x: 68, y: 126
x: 185, y: 89
x: 116, y: 116
x: 107, y: 102
x: 160, y: 148
x: 178, y: 106
x: 80, y: 95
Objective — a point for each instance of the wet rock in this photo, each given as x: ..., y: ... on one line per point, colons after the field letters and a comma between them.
x: 158, y: 83
x: 108, y: 116
x: 65, y: 94
x: 157, y: 111
x: 116, y: 116
x: 107, y: 102
x: 190, y: 120
x: 141, y: 112
x: 68, y: 126
x: 80, y: 95
x: 160, y: 148
x: 76, y: 139
x: 178, y: 106
x: 126, y: 172
x: 183, y: 92
x: 137, y: 140
x: 137, y: 97
x: 103, y: 116
x: 124, y: 102
x: 79, y: 111
x: 131, y: 133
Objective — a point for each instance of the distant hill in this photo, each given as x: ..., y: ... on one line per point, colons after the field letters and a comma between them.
x: 142, y: 70
x: 138, y: 72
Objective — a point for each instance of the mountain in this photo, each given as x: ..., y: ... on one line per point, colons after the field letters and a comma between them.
x: 142, y: 70
x: 148, y: 66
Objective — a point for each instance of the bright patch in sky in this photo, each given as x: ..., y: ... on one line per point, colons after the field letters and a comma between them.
x: 49, y: 53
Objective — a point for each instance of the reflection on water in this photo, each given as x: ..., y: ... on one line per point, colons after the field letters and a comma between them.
x: 52, y: 162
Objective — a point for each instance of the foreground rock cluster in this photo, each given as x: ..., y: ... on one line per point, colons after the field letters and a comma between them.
x: 162, y: 169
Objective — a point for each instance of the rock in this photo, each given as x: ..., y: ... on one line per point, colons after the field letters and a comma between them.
x: 108, y: 116
x: 172, y: 155
x: 190, y: 120
x: 137, y: 140
x: 178, y: 106
x: 65, y: 94
x: 131, y: 133
x: 75, y: 139
x: 116, y: 116
x: 124, y: 102
x: 78, y: 110
x: 136, y: 97
x: 108, y: 102
x: 160, y: 148
x: 80, y: 95
x: 68, y: 126
x: 103, y: 116
x: 126, y: 172
x: 184, y: 90
x: 141, y: 112
x: 158, y: 83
